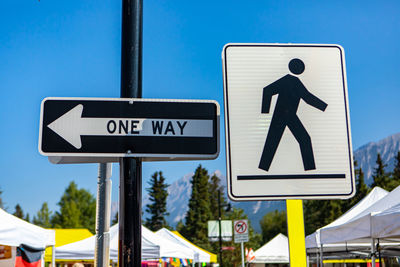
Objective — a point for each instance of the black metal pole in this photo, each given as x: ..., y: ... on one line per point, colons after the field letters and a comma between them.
x: 378, y: 248
x: 220, y: 229
x: 130, y: 194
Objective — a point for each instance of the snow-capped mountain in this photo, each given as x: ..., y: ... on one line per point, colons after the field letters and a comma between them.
x: 366, y: 155
x: 178, y: 197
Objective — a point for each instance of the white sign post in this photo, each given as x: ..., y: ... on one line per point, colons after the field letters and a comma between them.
x: 241, y: 230
x: 287, y: 122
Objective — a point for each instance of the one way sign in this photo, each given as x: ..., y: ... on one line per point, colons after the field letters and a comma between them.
x: 102, y: 127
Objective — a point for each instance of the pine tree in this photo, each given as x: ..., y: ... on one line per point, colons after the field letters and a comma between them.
x: 43, y: 216
x: 27, y: 218
x: 335, y: 210
x: 361, y: 189
x: 77, y: 209
x: 318, y: 213
x: 180, y: 227
x: 395, y: 175
x: 215, y: 189
x: 272, y: 224
x: 115, y: 219
x: 380, y: 176
x: 313, y: 215
x: 18, y: 212
x: 196, y: 220
x: 1, y: 200
x: 158, y: 197
x: 396, y: 170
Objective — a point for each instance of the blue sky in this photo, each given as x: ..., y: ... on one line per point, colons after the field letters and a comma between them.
x: 72, y: 48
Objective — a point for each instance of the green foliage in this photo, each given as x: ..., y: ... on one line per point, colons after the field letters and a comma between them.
x: 272, y: 224
x: 395, y: 175
x: 43, y: 216
x: 216, y: 189
x: 234, y: 258
x: 158, y: 197
x: 396, y: 170
x: 115, y: 219
x: 18, y: 212
x: 361, y: 189
x: 196, y: 220
x: 77, y: 209
x: 388, y: 181
x: 1, y: 200
x: 27, y: 218
x: 381, y: 178
x: 315, y: 214
x: 180, y: 227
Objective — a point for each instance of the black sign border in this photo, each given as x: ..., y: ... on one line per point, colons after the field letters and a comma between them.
x: 146, y: 156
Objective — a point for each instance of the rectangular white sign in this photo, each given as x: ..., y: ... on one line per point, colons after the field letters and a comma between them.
x: 287, y: 122
x: 226, y: 230
x: 241, y: 230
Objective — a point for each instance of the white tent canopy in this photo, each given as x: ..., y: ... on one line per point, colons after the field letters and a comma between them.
x: 201, y: 256
x: 361, y: 226
x: 275, y: 251
x: 84, y: 249
x: 14, y: 232
x: 168, y: 248
x: 386, y: 224
x: 153, y: 247
x: 376, y: 194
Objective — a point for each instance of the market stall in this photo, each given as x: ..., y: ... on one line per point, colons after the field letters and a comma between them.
x: 276, y: 251
x: 15, y: 232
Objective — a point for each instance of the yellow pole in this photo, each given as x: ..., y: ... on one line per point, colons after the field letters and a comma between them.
x: 297, y: 243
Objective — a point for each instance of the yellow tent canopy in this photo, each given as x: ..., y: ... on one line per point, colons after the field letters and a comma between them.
x: 213, y: 257
x: 66, y: 236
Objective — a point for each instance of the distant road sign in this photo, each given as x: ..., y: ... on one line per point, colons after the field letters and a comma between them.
x: 287, y: 122
x: 241, y: 231
x: 112, y: 128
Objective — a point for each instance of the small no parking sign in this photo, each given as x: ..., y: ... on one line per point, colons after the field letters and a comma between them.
x: 241, y: 230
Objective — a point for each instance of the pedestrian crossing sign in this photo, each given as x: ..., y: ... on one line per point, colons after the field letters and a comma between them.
x: 287, y: 122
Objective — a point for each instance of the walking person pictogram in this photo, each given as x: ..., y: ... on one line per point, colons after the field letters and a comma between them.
x: 290, y: 90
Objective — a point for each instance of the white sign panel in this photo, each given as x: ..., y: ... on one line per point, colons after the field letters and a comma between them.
x: 226, y: 230
x: 241, y: 230
x: 287, y: 122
